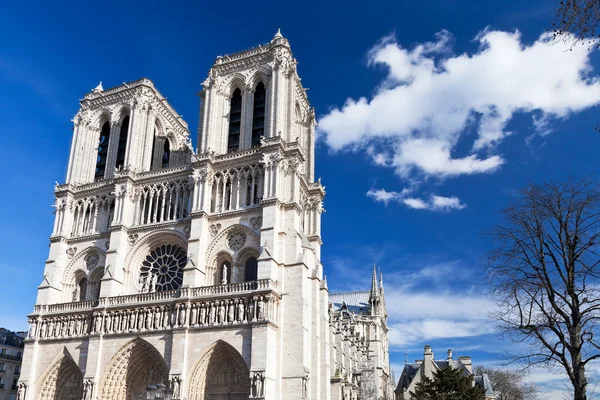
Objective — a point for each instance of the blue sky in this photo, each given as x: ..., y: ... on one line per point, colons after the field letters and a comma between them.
x: 414, y: 173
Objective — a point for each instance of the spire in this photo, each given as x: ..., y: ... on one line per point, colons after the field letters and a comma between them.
x: 278, y: 35
x: 374, y: 292
x: 380, y: 280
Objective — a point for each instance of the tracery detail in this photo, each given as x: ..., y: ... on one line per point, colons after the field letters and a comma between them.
x: 163, y: 268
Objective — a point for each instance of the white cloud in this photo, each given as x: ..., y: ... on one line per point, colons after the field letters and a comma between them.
x: 432, y: 97
x: 435, y: 203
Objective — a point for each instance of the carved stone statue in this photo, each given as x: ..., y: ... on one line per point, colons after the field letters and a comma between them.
x: 202, y: 314
x: 157, y: 318
x: 144, y: 283
x: 259, y: 385
x: 166, y: 318
x: 241, y: 316
x: 230, y: 312
x: 222, y: 312
x: 149, y: 319
x: 194, y: 315
x: 22, y: 391
x: 182, y: 316
x: 175, y: 386
x: 224, y: 275
x: 153, y: 282
x: 213, y: 313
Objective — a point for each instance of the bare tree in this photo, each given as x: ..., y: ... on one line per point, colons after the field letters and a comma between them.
x: 577, y: 21
x: 544, y: 276
x: 509, y: 384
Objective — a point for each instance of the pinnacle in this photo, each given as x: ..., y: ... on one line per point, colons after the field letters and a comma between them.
x: 278, y: 35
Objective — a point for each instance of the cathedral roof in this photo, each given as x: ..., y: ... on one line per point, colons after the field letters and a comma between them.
x: 357, y: 302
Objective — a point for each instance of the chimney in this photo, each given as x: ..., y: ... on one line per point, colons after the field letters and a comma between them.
x: 428, y: 362
x: 466, y: 361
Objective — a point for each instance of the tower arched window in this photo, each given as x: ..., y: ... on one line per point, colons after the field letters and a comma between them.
x: 258, y: 114
x: 122, y: 143
x: 102, y: 151
x: 251, y: 268
x: 81, y: 289
x: 166, y: 155
x: 235, y: 121
x: 161, y: 152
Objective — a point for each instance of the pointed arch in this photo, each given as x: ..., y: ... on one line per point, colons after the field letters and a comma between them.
x: 220, y: 370
x: 235, y: 121
x: 62, y: 381
x: 102, y: 153
x: 258, y: 113
x: 122, y: 145
x: 136, y: 365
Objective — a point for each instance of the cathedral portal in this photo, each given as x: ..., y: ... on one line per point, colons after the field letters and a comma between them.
x: 220, y: 374
x: 63, y: 381
x: 134, y: 367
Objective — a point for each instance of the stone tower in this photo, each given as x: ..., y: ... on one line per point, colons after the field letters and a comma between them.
x: 200, y: 270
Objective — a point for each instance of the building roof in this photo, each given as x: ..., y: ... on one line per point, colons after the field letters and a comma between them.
x: 357, y: 302
x: 411, y: 370
x: 8, y: 338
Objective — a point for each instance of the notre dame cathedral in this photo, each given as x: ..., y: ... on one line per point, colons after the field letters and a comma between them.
x: 197, y: 275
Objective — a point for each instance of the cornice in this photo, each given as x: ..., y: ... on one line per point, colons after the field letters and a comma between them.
x: 161, y: 225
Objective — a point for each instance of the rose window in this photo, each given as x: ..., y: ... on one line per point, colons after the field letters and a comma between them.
x: 163, y: 269
x: 236, y: 240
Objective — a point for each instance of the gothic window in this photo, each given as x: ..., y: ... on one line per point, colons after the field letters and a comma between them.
x: 249, y: 191
x: 81, y: 289
x: 251, y: 269
x: 227, y: 204
x: 235, y: 119
x: 163, y: 268
x: 161, y: 152
x: 122, y: 143
x: 102, y: 151
x: 166, y: 155
x: 258, y: 114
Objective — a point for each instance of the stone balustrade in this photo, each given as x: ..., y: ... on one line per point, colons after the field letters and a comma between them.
x: 189, y: 308
x: 64, y: 307
x: 240, y: 310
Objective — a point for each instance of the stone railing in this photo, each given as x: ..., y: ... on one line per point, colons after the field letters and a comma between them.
x: 63, y: 307
x: 229, y: 288
x: 240, y: 310
x: 139, y: 298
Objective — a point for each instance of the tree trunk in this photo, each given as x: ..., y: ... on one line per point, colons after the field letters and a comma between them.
x: 579, y: 383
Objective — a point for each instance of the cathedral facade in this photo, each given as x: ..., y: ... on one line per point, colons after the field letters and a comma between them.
x: 199, y: 272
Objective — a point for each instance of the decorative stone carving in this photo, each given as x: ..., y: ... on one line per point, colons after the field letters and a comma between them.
x: 21, y: 391
x: 132, y: 238
x: 257, y: 384
x: 71, y: 252
x: 175, y: 385
x: 256, y: 222
x: 236, y: 240
x: 163, y: 268
x: 187, y: 230
x: 214, y: 229
x: 88, y: 389
x: 91, y: 260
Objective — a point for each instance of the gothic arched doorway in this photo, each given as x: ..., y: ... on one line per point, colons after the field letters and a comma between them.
x: 220, y: 374
x: 134, y: 367
x: 62, y: 381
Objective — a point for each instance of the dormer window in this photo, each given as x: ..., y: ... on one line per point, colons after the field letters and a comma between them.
x: 235, y: 120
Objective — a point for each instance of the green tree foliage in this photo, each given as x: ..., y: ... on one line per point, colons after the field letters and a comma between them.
x: 448, y: 384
